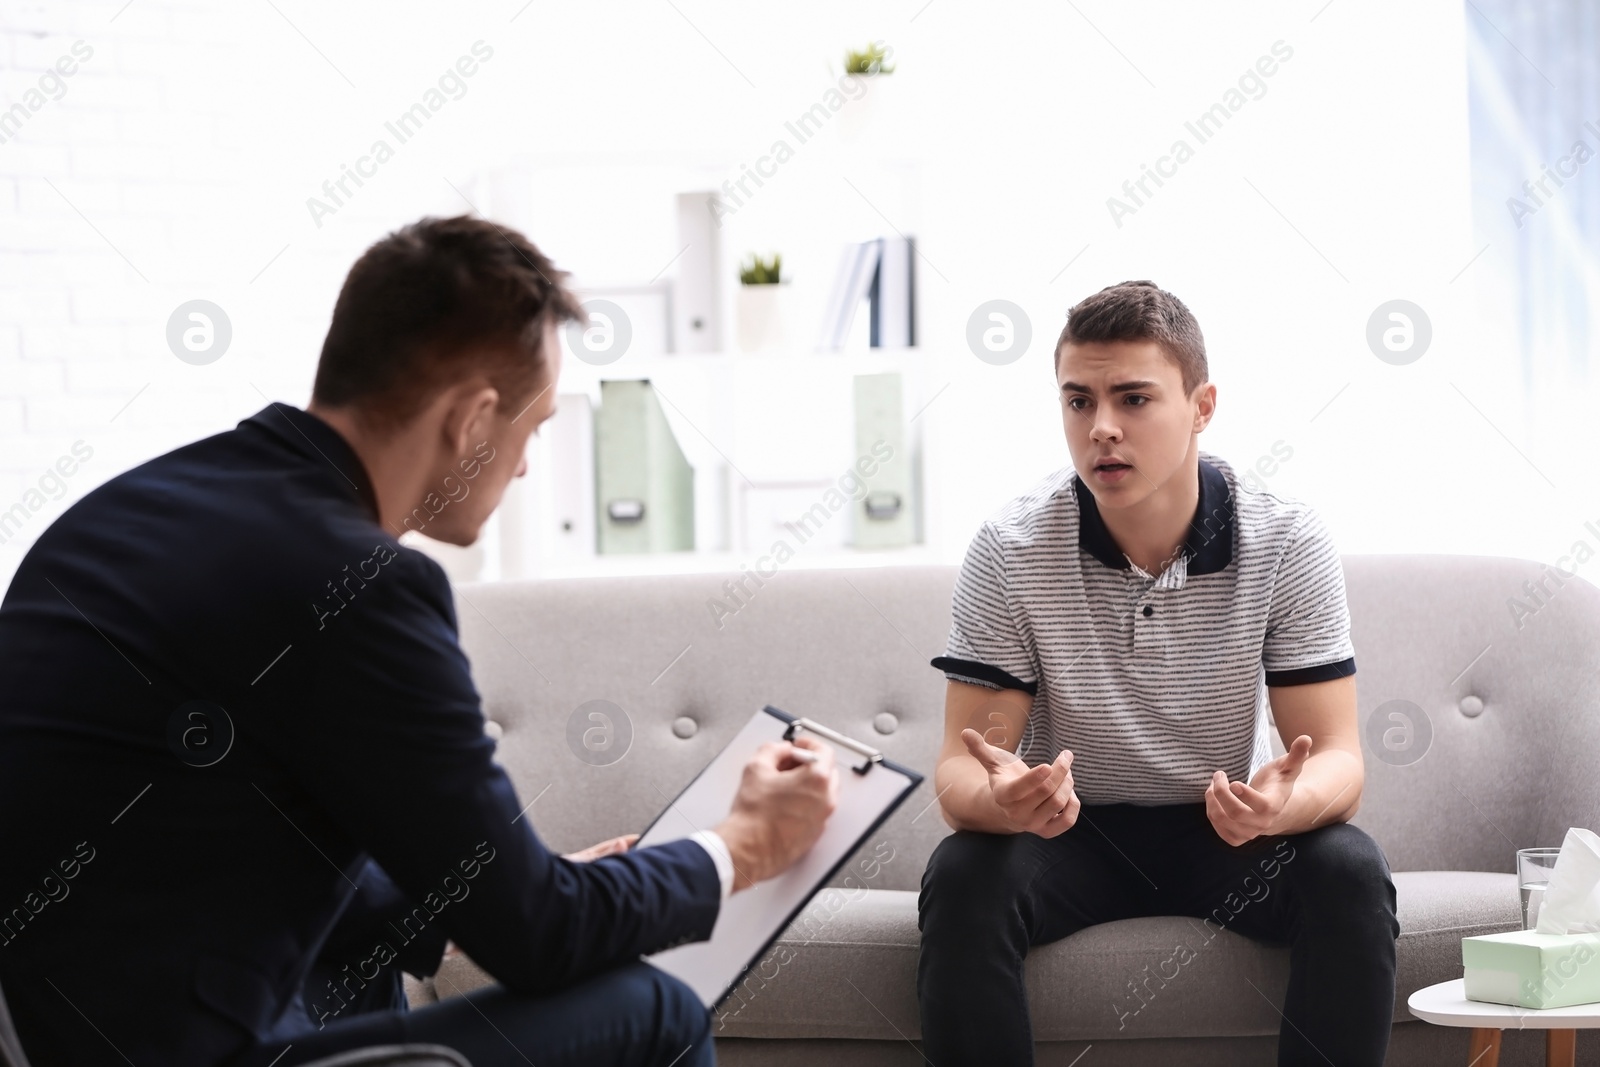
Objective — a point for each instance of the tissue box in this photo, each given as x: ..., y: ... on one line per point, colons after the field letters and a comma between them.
x: 1532, y: 970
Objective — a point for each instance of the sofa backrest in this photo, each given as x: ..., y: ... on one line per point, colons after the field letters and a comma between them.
x: 676, y: 663
x: 1512, y: 701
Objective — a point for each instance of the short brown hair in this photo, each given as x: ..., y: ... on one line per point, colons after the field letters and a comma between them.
x: 1141, y: 311
x: 432, y: 303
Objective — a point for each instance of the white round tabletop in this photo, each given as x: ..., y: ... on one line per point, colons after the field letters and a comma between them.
x: 1447, y: 1005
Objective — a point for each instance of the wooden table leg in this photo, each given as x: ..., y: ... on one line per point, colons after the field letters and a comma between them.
x: 1485, y: 1048
x: 1560, y: 1048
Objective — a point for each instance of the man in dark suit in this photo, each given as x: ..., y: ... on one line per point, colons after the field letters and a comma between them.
x: 235, y: 723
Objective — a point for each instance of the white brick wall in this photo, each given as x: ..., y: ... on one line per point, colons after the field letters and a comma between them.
x: 173, y: 165
x: 177, y: 164
x: 131, y: 191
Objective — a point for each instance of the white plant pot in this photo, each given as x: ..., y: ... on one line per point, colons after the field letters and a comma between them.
x: 869, y: 115
x: 760, y: 315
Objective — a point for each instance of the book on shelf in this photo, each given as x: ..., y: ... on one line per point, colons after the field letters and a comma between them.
x: 893, y: 298
x: 882, y: 273
x: 852, y: 283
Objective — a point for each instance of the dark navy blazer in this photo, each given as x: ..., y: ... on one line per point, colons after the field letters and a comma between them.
x: 227, y: 696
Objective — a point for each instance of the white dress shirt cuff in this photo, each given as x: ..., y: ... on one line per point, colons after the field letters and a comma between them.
x: 717, y: 848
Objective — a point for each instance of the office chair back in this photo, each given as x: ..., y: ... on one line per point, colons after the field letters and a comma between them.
x: 11, y: 1054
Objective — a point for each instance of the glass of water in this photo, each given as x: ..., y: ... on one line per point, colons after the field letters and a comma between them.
x: 1533, y: 874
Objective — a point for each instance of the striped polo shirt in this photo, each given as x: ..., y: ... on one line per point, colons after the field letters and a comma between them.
x: 1153, y: 682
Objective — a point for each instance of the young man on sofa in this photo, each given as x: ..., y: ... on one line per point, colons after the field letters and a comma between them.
x: 1116, y: 633
x: 228, y: 693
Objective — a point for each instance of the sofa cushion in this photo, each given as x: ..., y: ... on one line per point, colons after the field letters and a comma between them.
x: 850, y: 971
x: 419, y: 992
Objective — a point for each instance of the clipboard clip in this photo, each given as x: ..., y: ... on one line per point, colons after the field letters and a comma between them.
x: 871, y: 754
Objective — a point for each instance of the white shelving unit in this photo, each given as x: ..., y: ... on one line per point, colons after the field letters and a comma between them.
x: 627, y: 566
x: 766, y: 433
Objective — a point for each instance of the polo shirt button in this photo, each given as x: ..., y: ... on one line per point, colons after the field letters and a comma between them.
x: 1149, y: 611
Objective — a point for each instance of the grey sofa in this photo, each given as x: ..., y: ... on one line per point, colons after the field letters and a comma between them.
x: 1507, y: 721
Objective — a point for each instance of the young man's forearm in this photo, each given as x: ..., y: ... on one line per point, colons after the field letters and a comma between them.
x: 1328, y: 790
x: 965, y: 797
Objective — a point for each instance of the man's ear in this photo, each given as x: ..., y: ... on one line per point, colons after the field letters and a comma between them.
x: 1206, y: 405
x: 470, y: 416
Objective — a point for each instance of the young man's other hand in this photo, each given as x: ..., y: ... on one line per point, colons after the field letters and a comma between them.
x: 1241, y: 812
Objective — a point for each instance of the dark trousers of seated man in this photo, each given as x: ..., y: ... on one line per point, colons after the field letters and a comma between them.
x: 1326, y: 893
x: 634, y: 1014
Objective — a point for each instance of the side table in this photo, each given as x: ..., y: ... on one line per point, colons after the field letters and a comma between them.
x: 1447, y: 1005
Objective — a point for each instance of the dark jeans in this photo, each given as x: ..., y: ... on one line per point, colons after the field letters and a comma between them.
x: 634, y: 1014
x: 986, y: 898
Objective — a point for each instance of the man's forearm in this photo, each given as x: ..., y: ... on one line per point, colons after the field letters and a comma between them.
x: 1328, y: 790
x: 965, y: 797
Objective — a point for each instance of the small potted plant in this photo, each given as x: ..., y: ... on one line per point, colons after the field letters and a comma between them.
x: 760, y: 309
x: 871, y: 60
x: 865, y: 88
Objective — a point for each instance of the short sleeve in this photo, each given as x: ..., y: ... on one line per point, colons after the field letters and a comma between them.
x: 1308, y: 624
x: 986, y: 645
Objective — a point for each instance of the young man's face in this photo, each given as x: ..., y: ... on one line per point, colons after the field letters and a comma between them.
x: 478, y: 482
x: 1123, y: 401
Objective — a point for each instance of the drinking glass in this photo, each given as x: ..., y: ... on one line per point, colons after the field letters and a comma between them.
x: 1533, y: 874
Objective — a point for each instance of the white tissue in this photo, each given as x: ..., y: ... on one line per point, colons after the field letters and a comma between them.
x: 1572, y: 899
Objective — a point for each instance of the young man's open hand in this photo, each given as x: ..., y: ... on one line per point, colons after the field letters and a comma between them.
x: 1038, y: 800
x: 1241, y: 812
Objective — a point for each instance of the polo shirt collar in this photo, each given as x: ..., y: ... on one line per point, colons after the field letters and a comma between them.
x: 1208, y: 546
x: 320, y: 443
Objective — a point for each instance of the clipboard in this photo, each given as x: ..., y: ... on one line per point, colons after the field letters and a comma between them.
x: 870, y: 789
